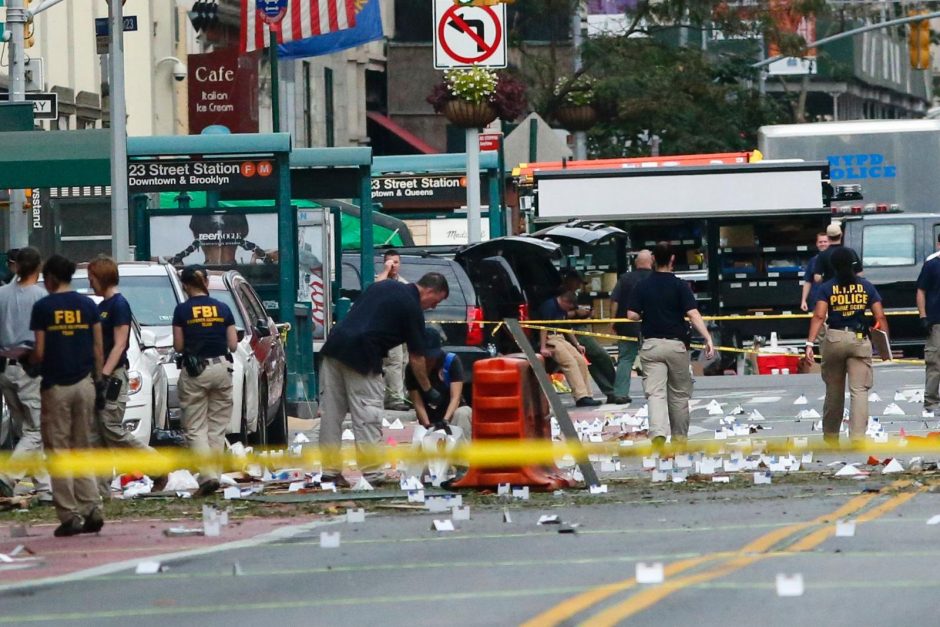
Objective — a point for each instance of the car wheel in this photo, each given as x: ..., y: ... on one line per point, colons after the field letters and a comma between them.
x: 277, y: 429
x: 260, y: 436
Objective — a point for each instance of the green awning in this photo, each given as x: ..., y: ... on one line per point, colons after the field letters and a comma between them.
x: 55, y: 158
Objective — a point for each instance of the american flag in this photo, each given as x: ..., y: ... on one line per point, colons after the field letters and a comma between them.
x: 303, y: 19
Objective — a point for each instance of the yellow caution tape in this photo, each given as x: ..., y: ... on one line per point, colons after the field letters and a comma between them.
x: 479, y: 453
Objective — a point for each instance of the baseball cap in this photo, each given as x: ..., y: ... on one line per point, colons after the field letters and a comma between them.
x: 188, y: 273
x: 833, y: 230
x: 432, y: 343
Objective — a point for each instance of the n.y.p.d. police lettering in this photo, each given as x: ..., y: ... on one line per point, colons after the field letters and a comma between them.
x: 848, y: 300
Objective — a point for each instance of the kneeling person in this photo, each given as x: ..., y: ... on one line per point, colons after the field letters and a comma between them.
x: 446, y: 375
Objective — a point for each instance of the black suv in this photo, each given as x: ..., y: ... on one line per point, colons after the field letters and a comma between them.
x: 506, y: 277
x: 460, y: 309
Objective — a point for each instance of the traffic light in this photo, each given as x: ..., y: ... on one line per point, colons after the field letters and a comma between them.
x: 918, y: 43
x: 29, y: 29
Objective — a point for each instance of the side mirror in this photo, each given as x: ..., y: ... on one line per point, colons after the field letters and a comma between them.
x: 240, y: 334
x: 262, y: 328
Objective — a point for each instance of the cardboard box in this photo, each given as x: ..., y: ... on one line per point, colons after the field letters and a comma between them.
x: 736, y: 236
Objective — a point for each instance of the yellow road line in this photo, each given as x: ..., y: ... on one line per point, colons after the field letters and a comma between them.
x: 650, y: 596
x: 585, y: 600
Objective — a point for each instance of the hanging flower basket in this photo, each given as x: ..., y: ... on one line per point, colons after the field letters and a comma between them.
x: 579, y: 118
x: 466, y: 114
x: 474, y: 97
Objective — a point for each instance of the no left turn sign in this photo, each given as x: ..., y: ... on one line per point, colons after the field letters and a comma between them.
x: 469, y: 35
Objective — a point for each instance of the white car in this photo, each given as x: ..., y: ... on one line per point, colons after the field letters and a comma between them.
x: 153, y: 291
x: 147, y: 390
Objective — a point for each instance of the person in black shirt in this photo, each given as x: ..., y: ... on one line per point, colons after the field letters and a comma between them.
x: 627, y: 350
x: 69, y: 348
x: 663, y: 301
x: 386, y: 314
x: 204, y: 334
x: 447, y: 377
x: 823, y: 270
x: 116, y: 320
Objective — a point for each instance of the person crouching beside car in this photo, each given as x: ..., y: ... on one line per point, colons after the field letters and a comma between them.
x: 204, y: 335
x: 69, y: 349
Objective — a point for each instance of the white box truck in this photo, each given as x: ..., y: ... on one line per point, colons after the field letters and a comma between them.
x: 895, y: 161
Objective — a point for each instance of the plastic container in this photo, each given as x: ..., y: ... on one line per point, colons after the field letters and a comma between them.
x: 767, y: 363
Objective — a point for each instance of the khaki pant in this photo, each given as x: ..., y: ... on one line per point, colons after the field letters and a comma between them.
x: 66, y: 421
x: 667, y: 382
x: 108, y: 431
x: 572, y: 363
x: 462, y: 418
x: 206, y: 402
x: 21, y: 393
x: 932, y: 360
x: 393, y: 371
x: 846, y: 354
x: 342, y: 391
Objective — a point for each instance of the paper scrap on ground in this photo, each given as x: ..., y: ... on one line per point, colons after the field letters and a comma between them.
x: 721, y: 479
x: 845, y: 528
x: 348, y: 435
x: 849, y: 470
x: 755, y: 415
x: 363, y: 485
x: 599, y: 489
x: 549, y: 519
x: 934, y: 520
x: 789, y: 585
x: 148, y: 568
x: 521, y: 493
x: 893, y: 410
x: 386, y: 423
x: 179, y: 480
x: 396, y: 425
x: 329, y: 540
x: 443, y: 525
x: 503, y: 489
x: 232, y: 493
x: 892, y: 467
x: 800, y: 400
x: 300, y: 438
x: 355, y: 515
x: 649, y: 573
x: 899, y: 396
x: 659, y: 476
x: 416, y: 496
x: 460, y: 513
x: 437, y: 505
x: 761, y: 478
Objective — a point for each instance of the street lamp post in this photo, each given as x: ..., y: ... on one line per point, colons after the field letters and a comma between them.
x: 120, y: 237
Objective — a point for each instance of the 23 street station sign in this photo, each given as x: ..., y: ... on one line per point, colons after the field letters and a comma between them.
x: 257, y: 176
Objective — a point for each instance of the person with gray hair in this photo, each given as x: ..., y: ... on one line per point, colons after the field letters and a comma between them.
x: 627, y: 349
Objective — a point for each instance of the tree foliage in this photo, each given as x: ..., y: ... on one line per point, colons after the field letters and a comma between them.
x: 651, y: 91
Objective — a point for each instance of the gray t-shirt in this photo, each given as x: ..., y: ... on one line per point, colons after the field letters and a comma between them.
x: 16, y: 307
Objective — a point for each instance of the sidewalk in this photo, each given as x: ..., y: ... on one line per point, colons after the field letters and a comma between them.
x: 118, y: 541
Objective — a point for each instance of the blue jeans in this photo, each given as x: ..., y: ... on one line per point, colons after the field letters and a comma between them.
x: 626, y: 357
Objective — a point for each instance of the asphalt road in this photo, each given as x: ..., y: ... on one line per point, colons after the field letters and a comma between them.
x: 722, y: 548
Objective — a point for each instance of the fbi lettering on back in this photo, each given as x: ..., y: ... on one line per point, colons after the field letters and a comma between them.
x: 205, y: 315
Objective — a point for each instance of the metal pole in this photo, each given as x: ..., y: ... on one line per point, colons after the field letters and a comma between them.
x: 275, y: 84
x: 580, y: 137
x: 474, y: 228
x: 17, y: 226
x: 853, y: 32
x: 120, y: 238
x: 366, y: 235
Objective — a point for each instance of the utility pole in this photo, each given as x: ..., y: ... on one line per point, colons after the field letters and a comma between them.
x: 120, y: 237
x: 580, y: 137
x: 17, y: 230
